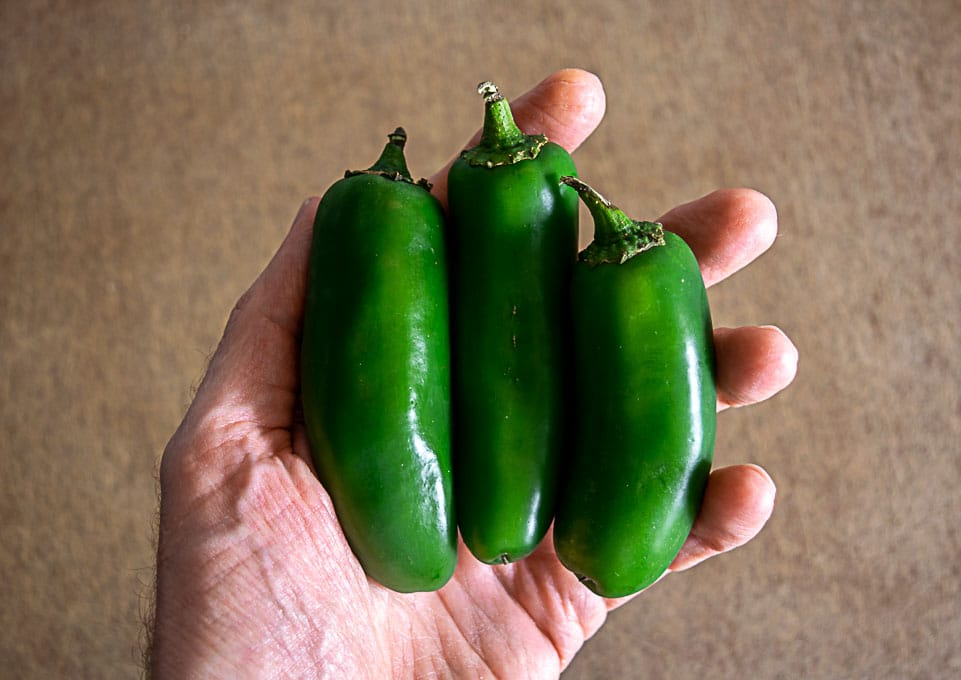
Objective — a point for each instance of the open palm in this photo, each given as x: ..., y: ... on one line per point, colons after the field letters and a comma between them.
x: 255, y: 578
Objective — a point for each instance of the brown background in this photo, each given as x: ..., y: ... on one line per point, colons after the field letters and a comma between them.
x: 153, y: 155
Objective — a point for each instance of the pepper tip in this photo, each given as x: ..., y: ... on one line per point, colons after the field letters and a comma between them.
x: 489, y: 91
x: 398, y: 137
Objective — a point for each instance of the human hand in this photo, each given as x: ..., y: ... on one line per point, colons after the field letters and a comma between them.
x: 255, y: 578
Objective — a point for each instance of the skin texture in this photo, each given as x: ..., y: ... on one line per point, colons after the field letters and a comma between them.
x: 514, y: 242
x: 254, y: 576
x: 375, y: 368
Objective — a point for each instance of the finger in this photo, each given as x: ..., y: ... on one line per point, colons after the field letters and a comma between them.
x: 256, y: 360
x: 566, y: 106
x: 737, y: 504
x: 726, y: 229
x: 753, y: 364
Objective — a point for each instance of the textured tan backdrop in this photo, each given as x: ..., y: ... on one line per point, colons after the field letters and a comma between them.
x: 153, y: 154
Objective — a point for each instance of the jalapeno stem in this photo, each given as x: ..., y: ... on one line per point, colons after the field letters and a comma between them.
x: 392, y: 159
x: 500, y: 130
x: 617, y: 237
x: 392, y: 164
x: 501, y: 142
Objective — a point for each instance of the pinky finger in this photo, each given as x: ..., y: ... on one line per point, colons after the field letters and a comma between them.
x: 737, y: 504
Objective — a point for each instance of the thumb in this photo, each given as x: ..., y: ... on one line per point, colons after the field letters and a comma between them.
x: 254, y: 371
x: 250, y: 387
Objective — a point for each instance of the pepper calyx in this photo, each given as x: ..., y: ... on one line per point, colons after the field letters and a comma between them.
x: 501, y: 142
x: 617, y: 237
x: 392, y: 164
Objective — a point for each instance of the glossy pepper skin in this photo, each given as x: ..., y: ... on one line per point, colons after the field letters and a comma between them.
x: 375, y: 367
x: 514, y: 242
x: 646, y: 398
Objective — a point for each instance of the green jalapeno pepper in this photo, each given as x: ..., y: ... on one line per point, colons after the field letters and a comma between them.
x: 646, y: 398
x: 376, y: 371
x: 513, y: 245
